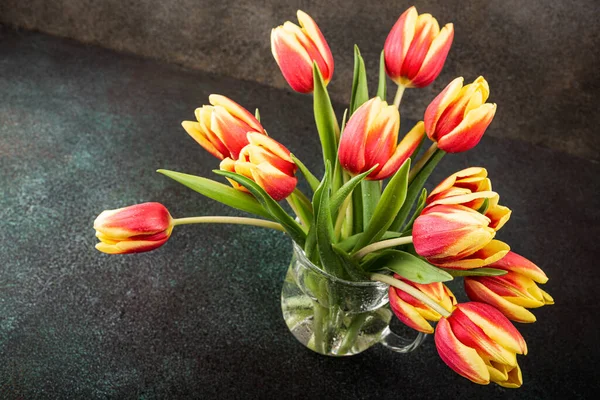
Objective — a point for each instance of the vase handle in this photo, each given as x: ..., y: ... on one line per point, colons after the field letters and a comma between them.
x: 400, y: 344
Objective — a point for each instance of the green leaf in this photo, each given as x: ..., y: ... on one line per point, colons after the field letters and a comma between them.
x: 476, y: 272
x: 344, y: 119
x: 325, y: 119
x: 257, y: 115
x: 357, y: 210
x: 371, y: 193
x: 420, y: 206
x: 407, y: 266
x: 338, y: 198
x: 382, y: 87
x: 324, y: 227
x: 350, y: 264
x: 349, y: 243
x: 219, y: 192
x: 313, y: 182
x: 303, y: 206
x: 415, y: 188
x: 484, y: 207
x: 391, y: 201
x: 360, y: 90
x: 291, y: 227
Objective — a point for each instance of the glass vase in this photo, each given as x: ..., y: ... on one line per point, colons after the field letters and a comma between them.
x: 335, y: 317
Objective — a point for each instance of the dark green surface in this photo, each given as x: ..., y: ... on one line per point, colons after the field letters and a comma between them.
x: 83, y: 129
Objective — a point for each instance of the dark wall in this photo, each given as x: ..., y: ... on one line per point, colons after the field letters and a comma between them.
x: 539, y: 56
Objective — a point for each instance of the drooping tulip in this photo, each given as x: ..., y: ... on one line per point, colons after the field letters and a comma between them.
x: 222, y: 127
x: 514, y: 292
x: 458, y: 117
x: 133, y: 229
x: 371, y: 138
x: 416, y: 49
x: 457, y: 237
x: 266, y: 162
x: 295, y: 48
x: 480, y: 344
x: 415, y: 313
x: 471, y: 188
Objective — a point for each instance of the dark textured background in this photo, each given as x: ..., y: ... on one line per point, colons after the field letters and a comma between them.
x: 539, y: 56
x: 83, y: 129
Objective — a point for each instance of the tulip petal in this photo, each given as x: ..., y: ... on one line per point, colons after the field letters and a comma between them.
x: 398, y: 42
x: 194, y: 130
x: 490, y: 253
x: 426, y: 29
x: 314, y: 34
x: 469, y: 132
x: 479, y: 292
x: 462, y: 359
x: 404, y: 149
x: 276, y: 183
x: 469, y: 178
x: 472, y: 335
x: 293, y: 60
x: 495, y: 325
x: 407, y: 313
x: 435, y: 59
x: 514, y: 379
x: 437, y: 107
x: 236, y: 110
x: 519, y: 264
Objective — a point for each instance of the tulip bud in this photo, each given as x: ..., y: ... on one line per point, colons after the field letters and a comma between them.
x: 456, y: 237
x: 480, y: 344
x: 415, y: 313
x: 133, y: 229
x: 370, y: 138
x: 267, y: 163
x: 471, y: 188
x: 416, y: 49
x: 295, y: 48
x: 221, y: 128
x: 457, y: 118
x: 514, y: 292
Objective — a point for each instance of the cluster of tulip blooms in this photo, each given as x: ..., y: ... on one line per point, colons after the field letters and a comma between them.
x: 449, y: 233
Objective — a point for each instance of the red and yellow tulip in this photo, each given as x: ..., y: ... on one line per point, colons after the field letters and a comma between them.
x: 371, y: 138
x: 480, y: 344
x: 416, y: 49
x: 295, y: 48
x: 133, y: 229
x: 415, y: 313
x: 514, y: 292
x: 457, y: 237
x: 471, y: 188
x: 266, y: 162
x: 458, y: 117
x: 221, y: 128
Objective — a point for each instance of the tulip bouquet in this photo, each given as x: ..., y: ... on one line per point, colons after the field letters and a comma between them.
x: 368, y: 218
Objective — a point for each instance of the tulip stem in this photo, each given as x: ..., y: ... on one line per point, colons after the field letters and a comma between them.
x: 417, y: 294
x: 422, y: 161
x: 399, y: 94
x: 229, y: 220
x: 384, y: 244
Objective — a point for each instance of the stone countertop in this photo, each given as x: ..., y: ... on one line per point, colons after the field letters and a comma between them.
x: 83, y: 129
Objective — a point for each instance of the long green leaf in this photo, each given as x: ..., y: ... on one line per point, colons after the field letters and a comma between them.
x: 350, y: 264
x: 313, y: 182
x: 219, y: 192
x: 349, y: 243
x: 338, y: 198
x: 418, y: 209
x: 371, y: 193
x: 382, y: 86
x: 325, y: 119
x: 415, y: 188
x: 391, y: 201
x: 357, y: 210
x: 407, y: 266
x: 324, y: 228
x: 476, y: 272
x: 360, y: 90
x: 291, y: 227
